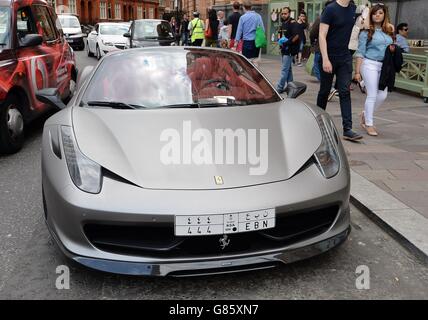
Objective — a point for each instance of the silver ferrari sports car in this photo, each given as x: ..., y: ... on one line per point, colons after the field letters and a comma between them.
x: 186, y: 161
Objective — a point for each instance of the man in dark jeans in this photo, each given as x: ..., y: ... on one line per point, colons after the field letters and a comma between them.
x: 233, y: 22
x: 290, y: 30
x: 336, y: 26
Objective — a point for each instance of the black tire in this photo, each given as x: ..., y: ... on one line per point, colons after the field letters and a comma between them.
x: 90, y: 54
x: 11, y: 126
x: 98, y: 53
x: 425, y: 99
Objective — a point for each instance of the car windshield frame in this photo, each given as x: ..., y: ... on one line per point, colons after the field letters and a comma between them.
x: 138, y: 28
x: 63, y: 18
x: 5, y: 27
x: 113, y: 27
x: 145, y: 70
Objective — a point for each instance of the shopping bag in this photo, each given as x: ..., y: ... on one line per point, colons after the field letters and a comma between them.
x: 310, y: 64
x: 261, y: 40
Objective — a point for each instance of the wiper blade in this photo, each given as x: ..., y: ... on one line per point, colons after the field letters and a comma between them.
x: 114, y: 105
x: 182, y: 105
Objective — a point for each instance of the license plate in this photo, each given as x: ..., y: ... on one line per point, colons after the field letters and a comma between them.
x: 212, y: 224
x: 70, y: 40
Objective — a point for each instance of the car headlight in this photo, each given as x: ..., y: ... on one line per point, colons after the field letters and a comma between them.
x: 85, y: 173
x: 107, y: 43
x: 327, y: 156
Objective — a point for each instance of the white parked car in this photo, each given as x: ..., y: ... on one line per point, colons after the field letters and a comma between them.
x: 72, y: 30
x: 105, y: 38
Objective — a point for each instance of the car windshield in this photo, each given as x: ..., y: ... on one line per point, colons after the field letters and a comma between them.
x: 69, y: 22
x: 114, y: 29
x: 4, y: 27
x: 179, y: 78
x: 152, y: 29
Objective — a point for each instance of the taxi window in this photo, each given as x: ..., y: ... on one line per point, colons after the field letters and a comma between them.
x: 44, y: 24
x: 4, y: 26
x: 24, y: 22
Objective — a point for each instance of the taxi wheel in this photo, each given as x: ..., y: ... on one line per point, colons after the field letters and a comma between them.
x: 11, y: 127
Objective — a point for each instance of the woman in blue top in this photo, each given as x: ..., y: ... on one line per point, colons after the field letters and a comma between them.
x: 370, y: 54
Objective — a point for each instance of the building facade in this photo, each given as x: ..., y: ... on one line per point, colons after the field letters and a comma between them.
x: 94, y: 11
x: 202, y: 6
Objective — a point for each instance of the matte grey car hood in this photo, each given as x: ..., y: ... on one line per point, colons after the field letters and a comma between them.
x: 128, y: 143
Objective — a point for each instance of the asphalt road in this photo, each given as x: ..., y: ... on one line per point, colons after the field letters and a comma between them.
x: 29, y: 258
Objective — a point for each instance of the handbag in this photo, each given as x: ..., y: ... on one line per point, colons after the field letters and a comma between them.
x: 209, y: 32
x: 261, y: 40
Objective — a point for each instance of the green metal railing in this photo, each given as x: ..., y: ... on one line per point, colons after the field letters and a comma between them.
x: 414, y: 74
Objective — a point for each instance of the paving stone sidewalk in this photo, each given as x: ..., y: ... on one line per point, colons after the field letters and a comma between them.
x: 389, y: 173
x: 397, y: 160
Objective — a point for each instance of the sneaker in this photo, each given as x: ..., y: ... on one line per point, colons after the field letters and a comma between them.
x: 351, y: 135
x: 300, y: 65
x: 332, y: 94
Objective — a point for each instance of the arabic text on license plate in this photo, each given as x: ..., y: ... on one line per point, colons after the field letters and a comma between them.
x: 212, y: 224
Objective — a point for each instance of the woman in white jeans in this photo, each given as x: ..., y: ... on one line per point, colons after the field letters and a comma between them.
x: 372, y: 45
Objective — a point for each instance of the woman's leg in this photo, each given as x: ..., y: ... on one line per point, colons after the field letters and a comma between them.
x: 370, y: 74
x: 381, y: 96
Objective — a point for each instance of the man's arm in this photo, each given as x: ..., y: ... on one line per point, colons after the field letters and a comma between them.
x: 322, y: 38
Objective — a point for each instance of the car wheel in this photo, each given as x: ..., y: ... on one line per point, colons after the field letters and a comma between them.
x: 90, y: 54
x: 11, y: 127
x: 98, y: 54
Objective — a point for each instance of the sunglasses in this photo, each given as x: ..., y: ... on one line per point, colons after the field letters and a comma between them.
x: 406, y: 29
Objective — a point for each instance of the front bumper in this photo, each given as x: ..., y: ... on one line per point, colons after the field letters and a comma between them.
x: 75, y: 41
x: 208, y: 267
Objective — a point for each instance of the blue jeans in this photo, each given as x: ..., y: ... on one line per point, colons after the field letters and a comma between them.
x: 286, y: 72
x: 316, y: 67
x: 342, y: 68
x: 185, y: 39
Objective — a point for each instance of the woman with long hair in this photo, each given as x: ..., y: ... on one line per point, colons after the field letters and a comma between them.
x: 211, y: 29
x: 372, y: 46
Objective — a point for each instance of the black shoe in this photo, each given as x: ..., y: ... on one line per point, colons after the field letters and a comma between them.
x: 351, y: 135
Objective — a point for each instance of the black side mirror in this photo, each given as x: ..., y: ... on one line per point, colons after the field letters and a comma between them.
x: 295, y: 89
x: 127, y: 35
x: 51, y: 97
x: 31, y: 40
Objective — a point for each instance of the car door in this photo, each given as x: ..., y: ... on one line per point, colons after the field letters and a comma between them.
x: 92, y: 38
x: 63, y: 61
x: 31, y: 59
x: 51, y: 46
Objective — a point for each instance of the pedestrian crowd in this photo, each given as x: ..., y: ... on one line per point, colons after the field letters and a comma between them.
x: 348, y: 44
x: 240, y: 32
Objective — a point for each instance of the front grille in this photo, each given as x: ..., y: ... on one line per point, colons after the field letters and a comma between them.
x: 120, y: 46
x: 159, y: 241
